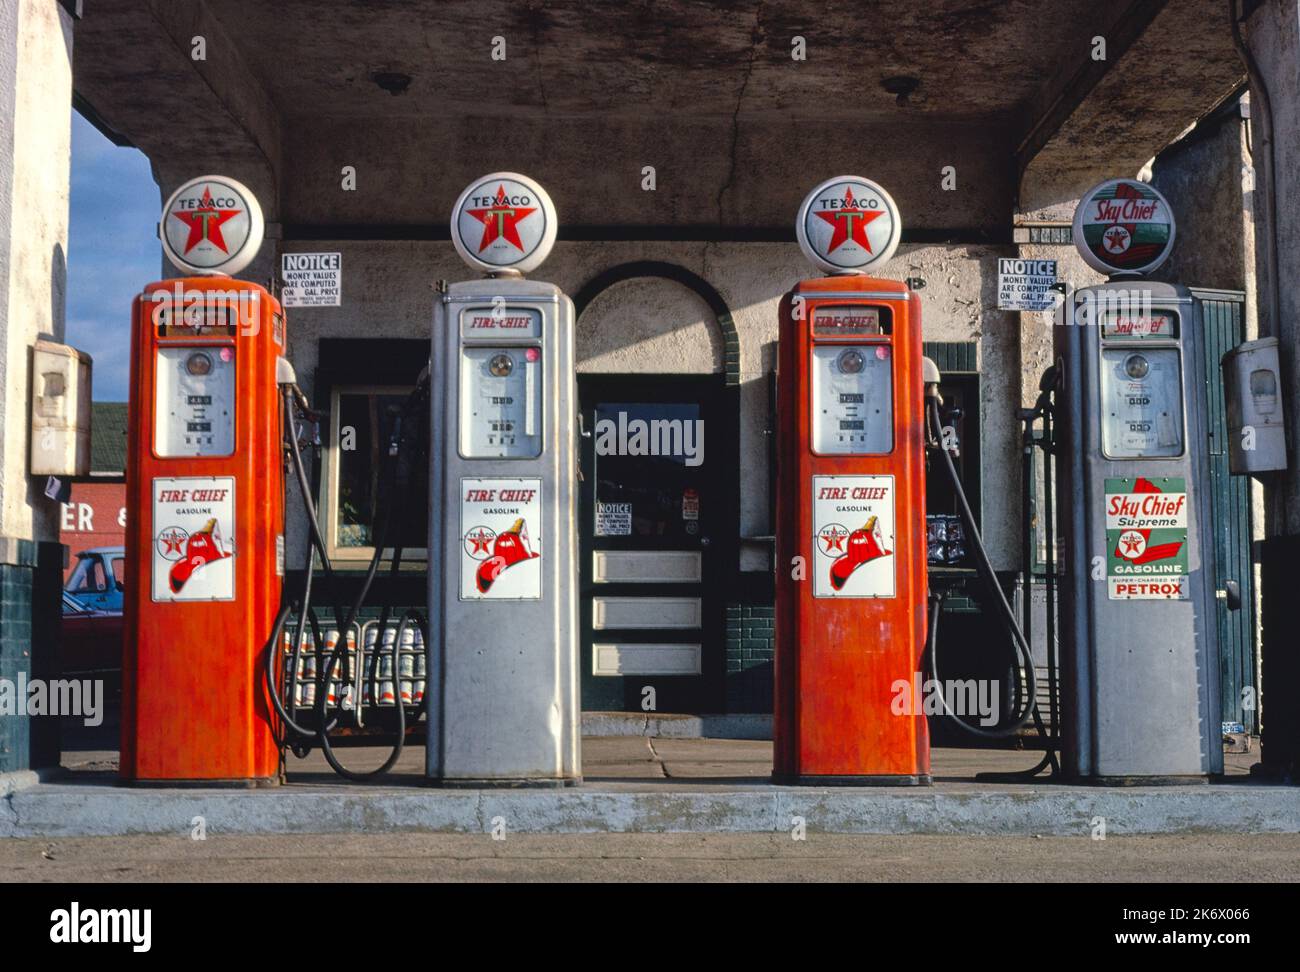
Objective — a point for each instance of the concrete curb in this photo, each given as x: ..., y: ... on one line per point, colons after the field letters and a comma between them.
x: 721, y: 726
x: 17, y: 780
x: 79, y: 810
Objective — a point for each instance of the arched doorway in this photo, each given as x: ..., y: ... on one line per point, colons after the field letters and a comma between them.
x: 658, y: 502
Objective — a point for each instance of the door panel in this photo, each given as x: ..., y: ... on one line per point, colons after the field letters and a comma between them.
x: 1223, y: 329
x: 655, y: 526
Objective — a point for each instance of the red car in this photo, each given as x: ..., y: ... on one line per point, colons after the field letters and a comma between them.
x: 92, y: 643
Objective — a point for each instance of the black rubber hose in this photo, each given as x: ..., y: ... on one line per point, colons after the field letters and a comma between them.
x: 985, y: 567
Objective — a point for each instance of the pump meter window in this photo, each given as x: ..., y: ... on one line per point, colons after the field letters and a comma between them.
x: 194, y: 406
x: 852, y: 399
x: 501, y: 402
x: 1142, y: 402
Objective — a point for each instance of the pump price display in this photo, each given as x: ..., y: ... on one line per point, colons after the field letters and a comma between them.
x: 501, y: 542
x: 852, y: 399
x: 194, y: 407
x: 1146, y: 539
x: 1142, y: 403
x: 501, y: 403
x: 853, y: 536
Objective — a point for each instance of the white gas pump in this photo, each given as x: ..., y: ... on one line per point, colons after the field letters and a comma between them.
x: 1139, y: 642
x: 502, y: 696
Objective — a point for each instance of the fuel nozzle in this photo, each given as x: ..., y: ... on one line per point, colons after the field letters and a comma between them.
x: 931, y: 377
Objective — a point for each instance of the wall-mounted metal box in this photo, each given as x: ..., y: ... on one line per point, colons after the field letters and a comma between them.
x: 1253, y: 396
x: 60, y: 426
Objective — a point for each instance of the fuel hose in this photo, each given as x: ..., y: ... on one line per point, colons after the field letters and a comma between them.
x: 306, y: 614
x: 1020, y: 648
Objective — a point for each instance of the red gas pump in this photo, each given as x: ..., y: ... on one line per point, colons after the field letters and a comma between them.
x: 205, y: 487
x: 850, y: 539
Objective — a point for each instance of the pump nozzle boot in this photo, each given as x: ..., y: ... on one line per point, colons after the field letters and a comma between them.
x: 201, y: 548
x: 509, y: 548
x: 864, y: 545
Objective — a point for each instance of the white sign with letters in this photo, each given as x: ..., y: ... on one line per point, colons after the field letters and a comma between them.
x: 312, y: 279
x: 853, y: 536
x: 1025, y: 285
x: 501, y: 539
x: 194, y: 538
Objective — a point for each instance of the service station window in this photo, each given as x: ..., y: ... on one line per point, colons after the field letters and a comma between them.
x: 1141, y: 386
x: 354, y: 463
x: 852, y: 399
x: 194, y: 403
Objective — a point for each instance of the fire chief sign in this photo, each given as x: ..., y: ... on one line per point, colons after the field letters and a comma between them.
x: 193, y: 539
x: 1146, y: 539
x: 853, y: 536
x: 501, y: 549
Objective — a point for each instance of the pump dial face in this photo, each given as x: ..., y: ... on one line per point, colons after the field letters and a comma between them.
x: 501, y: 402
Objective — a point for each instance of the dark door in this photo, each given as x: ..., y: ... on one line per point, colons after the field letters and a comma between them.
x: 1221, y: 316
x: 657, y: 538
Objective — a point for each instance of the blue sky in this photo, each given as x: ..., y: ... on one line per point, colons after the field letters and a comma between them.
x: 113, y: 252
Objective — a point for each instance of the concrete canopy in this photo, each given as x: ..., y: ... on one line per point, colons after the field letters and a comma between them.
x: 589, y: 93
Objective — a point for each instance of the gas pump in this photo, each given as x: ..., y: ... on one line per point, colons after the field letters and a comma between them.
x: 851, y: 550
x: 502, y: 698
x: 1139, y: 644
x: 205, y: 541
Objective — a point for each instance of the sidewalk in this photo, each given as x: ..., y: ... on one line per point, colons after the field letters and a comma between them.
x: 636, y: 784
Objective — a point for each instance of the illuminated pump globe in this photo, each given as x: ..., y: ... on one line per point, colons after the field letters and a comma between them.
x: 504, y: 223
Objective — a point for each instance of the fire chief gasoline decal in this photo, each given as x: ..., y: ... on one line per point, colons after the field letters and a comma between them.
x: 501, y: 547
x: 853, y: 536
x: 1146, y: 539
x: 193, y: 539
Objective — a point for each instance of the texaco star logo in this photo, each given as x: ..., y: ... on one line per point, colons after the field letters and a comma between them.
x: 501, y: 220
x: 850, y: 222
x: 205, y: 223
x: 1117, y: 240
x: 1132, y: 544
x: 831, y: 538
x: 478, y: 542
x: 211, y: 225
x: 171, y: 543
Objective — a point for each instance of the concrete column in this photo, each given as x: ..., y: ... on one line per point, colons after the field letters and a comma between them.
x: 35, y: 137
x: 1272, y: 34
x: 1272, y: 37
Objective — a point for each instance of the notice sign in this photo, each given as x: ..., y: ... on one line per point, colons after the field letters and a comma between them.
x: 1146, y: 539
x: 853, y: 536
x: 501, y: 543
x: 194, y: 539
x: 613, y: 519
x: 311, y: 279
x: 1023, y: 285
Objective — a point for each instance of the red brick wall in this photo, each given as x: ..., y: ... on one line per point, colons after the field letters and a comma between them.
x: 93, y: 517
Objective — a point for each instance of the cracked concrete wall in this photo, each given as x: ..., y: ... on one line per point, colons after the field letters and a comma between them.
x: 655, y: 325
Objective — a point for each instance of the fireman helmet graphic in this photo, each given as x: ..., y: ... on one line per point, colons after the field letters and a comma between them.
x: 864, y: 545
x: 201, y: 548
x: 510, y: 547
